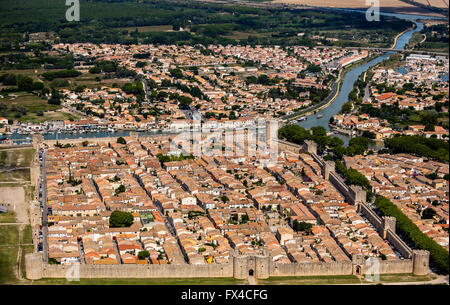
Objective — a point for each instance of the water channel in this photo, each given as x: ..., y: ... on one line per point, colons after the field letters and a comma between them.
x: 352, y: 76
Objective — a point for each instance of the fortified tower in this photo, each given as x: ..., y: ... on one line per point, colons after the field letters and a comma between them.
x: 388, y: 224
x: 357, y: 195
x: 37, y: 141
x: 258, y: 265
x: 328, y: 168
x: 421, y: 261
x: 358, y: 262
x: 310, y: 147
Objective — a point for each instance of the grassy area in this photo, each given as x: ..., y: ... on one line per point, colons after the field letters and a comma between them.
x: 10, y: 158
x: 415, y: 40
x: 9, y: 235
x: 394, y: 61
x: 25, y: 250
x: 9, y: 246
x: 157, y: 281
x: 54, y: 116
x: 310, y: 280
x: 31, y: 104
x: 89, y: 81
x: 16, y: 157
x: 21, y: 174
x: 390, y: 278
x: 8, y: 259
x: 27, y: 237
x: 150, y: 28
x: 244, y: 35
x: 7, y: 217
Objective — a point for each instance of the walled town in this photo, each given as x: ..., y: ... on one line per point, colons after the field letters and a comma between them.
x: 197, y: 210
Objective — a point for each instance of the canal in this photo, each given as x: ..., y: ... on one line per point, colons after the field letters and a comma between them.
x: 352, y: 76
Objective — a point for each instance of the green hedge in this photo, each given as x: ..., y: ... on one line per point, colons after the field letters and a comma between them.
x: 61, y: 74
x: 438, y: 254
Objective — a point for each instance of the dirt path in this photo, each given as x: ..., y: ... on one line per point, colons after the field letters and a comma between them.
x: 19, y: 254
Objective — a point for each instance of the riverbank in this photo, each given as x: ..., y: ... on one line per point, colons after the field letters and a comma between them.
x: 402, y: 33
x: 338, y: 83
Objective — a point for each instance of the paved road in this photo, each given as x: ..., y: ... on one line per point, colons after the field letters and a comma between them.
x: 44, y: 208
x: 251, y: 280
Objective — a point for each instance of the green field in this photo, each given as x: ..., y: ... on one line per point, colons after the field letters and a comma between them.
x: 32, y: 105
x: 11, y: 158
x: 150, y: 28
x: 8, y: 259
x: 7, y: 217
x: 161, y: 281
x: 9, y: 235
x: 390, y: 278
x: 16, y: 157
x: 342, y: 279
x: 9, y: 246
x: 310, y: 280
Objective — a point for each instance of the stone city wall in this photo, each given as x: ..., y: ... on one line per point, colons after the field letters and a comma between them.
x: 372, y: 217
x: 141, y: 271
x: 312, y: 269
x: 399, y: 244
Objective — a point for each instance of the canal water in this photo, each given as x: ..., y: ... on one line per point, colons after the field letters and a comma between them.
x: 352, y: 76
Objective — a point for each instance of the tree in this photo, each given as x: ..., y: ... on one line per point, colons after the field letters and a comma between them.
x: 176, y: 73
x: 347, y: 107
x: 314, y: 68
x: 244, y: 218
x: 368, y: 134
x: 25, y: 83
x: 120, y: 189
x: 428, y: 213
x: 143, y: 254
x: 413, y: 234
x: 141, y: 64
x: 55, y: 99
x: 119, y: 219
x: 302, y: 226
x: 9, y: 80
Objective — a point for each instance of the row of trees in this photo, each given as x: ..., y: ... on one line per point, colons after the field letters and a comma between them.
x: 297, y: 134
x: 61, y: 74
x: 22, y: 61
x: 23, y: 82
x: 426, y: 147
x: 353, y: 177
x: 439, y: 256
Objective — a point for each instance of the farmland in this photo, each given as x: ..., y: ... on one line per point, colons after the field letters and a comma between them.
x: 391, y: 6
